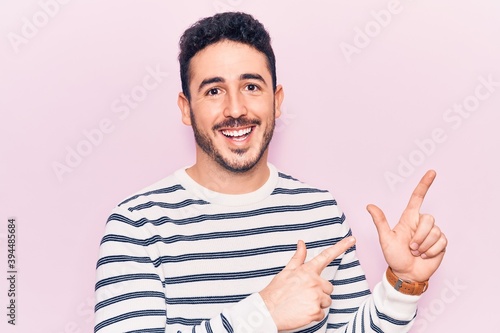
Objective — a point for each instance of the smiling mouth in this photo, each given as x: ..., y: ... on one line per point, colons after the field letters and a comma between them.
x: 238, y: 135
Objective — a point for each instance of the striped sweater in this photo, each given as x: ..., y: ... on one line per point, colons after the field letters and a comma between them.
x: 177, y: 257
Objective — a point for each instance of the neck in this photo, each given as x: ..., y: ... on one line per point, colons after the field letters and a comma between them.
x: 213, y: 176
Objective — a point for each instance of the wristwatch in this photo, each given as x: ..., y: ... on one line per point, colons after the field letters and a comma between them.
x: 406, y: 287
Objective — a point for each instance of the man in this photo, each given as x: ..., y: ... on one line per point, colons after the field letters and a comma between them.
x: 230, y: 244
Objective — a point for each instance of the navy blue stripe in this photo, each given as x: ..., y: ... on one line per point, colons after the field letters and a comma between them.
x: 349, y: 265
x: 159, y: 191
x: 222, y: 255
x: 223, y: 276
x: 128, y: 315
x: 285, y: 176
x: 184, y: 321
x: 166, y: 205
x: 127, y: 277
x: 335, y: 326
x: 124, y: 297
x: 348, y: 281
x: 344, y: 311
x: 205, y: 299
x: 224, y: 216
x: 226, y: 324
x: 222, y: 234
x: 390, y: 319
x: 280, y: 190
x: 351, y: 295
x: 208, y: 328
x: 354, y: 322
x: 123, y: 258
x: 149, y: 330
x: 229, y: 254
x: 373, y: 326
x: 363, y: 320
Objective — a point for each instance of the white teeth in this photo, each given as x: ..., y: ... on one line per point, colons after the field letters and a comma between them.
x: 237, y: 133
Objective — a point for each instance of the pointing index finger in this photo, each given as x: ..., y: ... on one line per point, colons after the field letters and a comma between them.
x: 319, y: 262
x: 418, y: 195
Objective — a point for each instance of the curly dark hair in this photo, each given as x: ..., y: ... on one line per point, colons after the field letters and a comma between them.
x: 234, y: 26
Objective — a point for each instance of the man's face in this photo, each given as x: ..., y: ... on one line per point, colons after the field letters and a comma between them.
x: 233, y: 106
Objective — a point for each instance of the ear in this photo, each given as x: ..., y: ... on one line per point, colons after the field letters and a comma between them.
x: 183, y: 104
x: 279, y: 95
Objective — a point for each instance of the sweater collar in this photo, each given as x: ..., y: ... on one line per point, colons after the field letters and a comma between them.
x: 229, y: 199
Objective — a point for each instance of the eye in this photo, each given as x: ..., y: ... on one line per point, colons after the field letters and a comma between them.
x: 213, y: 92
x: 252, y: 87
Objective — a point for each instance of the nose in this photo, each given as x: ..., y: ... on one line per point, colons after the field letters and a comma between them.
x: 235, y: 105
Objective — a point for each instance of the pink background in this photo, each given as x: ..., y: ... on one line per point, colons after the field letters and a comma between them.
x: 348, y: 121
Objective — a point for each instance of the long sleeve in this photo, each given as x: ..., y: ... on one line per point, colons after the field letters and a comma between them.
x: 130, y: 289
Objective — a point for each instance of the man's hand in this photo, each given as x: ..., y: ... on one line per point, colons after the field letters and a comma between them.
x: 298, y: 295
x: 415, y: 247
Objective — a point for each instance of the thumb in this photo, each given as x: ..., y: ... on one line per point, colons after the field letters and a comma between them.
x: 298, y: 257
x: 380, y: 221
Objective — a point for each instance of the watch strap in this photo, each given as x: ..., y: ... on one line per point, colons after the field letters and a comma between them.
x: 406, y: 287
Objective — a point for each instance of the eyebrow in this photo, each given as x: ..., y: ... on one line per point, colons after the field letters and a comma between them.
x: 210, y: 81
x: 217, y: 79
x: 249, y: 76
